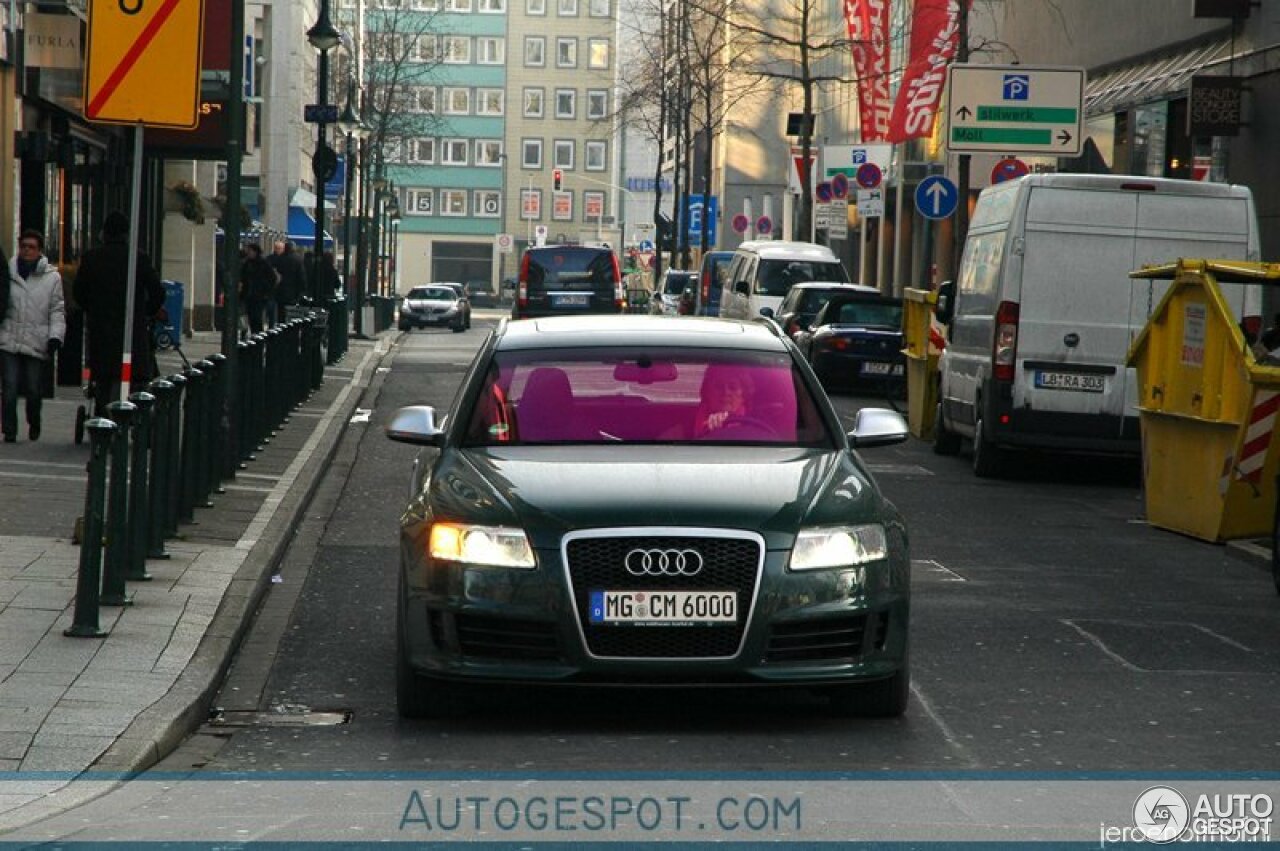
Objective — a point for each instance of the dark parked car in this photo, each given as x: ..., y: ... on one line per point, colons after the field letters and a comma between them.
x: 711, y: 281
x: 667, y: 300
x: 801, y: 306
x: 435, y: 305
x: 855, y: 342
x: 569, y: 279
x: 648, y: 501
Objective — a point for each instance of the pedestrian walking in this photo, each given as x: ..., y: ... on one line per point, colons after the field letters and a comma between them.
x: 293, y: 277
x: 31, y: 333
x: 100, y: 290
x: 258, y: 282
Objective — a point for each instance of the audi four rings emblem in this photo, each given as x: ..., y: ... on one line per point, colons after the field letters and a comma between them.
x: 663, y: 562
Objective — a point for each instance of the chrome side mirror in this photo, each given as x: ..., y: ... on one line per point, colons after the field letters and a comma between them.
x: 416, y: 424
x: 877, y: 427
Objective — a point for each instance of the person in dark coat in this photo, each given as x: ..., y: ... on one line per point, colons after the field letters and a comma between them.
x: 293, y: 277
x: 257, y: 286
x: 100, y: 291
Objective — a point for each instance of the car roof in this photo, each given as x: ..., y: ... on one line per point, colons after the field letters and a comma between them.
x: 785, y: 249
x: 637, y: 330
x: 837, y: 287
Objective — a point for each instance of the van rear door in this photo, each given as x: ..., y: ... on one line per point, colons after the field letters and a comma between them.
x: 1073, y: 328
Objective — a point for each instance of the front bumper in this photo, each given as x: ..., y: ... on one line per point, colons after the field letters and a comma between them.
x: 422, y: 319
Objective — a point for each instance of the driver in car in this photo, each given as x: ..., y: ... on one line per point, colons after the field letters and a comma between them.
x: 725, y: 395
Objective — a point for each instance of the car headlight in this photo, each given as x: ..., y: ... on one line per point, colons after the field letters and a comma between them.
x: 838, y: 546
x: 495, y: 546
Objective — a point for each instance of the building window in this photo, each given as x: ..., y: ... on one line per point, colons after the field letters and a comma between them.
x: 533, y: 103
x: 422, y: 151
x: 427, y: 99
x: 567, y: 8
x: 490, y: 51
x: 386, y: 47
x: 598, y: 53
x: 488, y: 203
x: 493, y: 7
x: 454, y: 152
x: 597, y: 104
x: 595, y: 156
x: 566, y: 53
x: 531, y: 153
x: 429, y: 48
x: 535, y: 7
x: 457, y: 101
x: 489, y: 101
x: 535, y: 51
x: 562, y: 206
x: 566, y: 103
x: 564, y: 153
x: 425, y: 5
x: 458, y: 5
x: 488, y: 152
x: 598, y: 8
x: 530, y: 204
x: 593, y: 206
x: 392, y: 149
x: 453, y: 202
x: 457, y: 50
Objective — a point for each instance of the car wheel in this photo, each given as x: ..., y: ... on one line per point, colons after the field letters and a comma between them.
x: 405, y: 327
x: 458, y: 327
x: 945, y: 441
x: 886, y: 698
x: 988, y: 459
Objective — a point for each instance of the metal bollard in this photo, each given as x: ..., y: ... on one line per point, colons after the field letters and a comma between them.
x: 204, y: 434
x: 244, y: 412
x: 173, y: 476
x: 158, y: 491
x: 89, y: 577
x: 262, y: 428
x: 299, y: 384
x: 116, y: 564
x: 139, y: 503
x: 215, y: 409
x: 271, y: 375
x: 190, y: 445
x: 317, y: 355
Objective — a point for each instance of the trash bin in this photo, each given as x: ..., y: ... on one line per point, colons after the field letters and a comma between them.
x: 168, y: 328
x: 1207, y: 406
x: 922, y: 361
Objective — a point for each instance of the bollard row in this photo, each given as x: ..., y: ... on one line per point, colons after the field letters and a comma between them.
x: 167, y: 450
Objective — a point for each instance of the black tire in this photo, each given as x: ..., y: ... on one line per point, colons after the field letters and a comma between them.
x: 988, y: 459
x: 458, y: 327
x: 82, y: 415
x: 945, y: 441
x: 887, y: 698
x: 406, y: 327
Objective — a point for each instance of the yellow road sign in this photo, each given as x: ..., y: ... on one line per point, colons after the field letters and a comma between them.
x: 143, y: 62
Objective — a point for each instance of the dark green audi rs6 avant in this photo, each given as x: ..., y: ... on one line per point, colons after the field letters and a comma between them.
x: 649, y: 501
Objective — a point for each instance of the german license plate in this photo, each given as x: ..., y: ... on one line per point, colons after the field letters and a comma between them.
x: 570, y: 300
x: 1075, y: 381
x: 664, y: 608
x: 872, y: 367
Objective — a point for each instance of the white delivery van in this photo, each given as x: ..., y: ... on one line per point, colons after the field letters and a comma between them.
x: 1044, y: 310
x: 762, y: 272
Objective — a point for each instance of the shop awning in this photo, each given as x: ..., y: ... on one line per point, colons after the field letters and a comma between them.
x: 302, y: 229
x: 1158, y: 78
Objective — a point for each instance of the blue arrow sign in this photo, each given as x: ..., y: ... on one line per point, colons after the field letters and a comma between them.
x: 936, y: 197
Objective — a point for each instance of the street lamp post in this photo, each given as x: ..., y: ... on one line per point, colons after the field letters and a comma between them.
x: 391, y: 210
x: 323, y: 36
x: 349, y: 122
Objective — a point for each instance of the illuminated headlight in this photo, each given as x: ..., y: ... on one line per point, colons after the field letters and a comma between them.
x: 838, y: 546
x: 495, y: 546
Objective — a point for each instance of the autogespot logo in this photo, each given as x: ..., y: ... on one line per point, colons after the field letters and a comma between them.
x: 663, y: 562
x: 1161, y: 814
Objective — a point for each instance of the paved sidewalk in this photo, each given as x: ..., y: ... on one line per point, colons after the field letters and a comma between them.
x: 122, y: 702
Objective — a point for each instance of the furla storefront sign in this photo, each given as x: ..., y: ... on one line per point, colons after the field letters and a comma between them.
x: 53, y: 41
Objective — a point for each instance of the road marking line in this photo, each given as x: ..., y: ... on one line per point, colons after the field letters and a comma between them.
x: 1097, y: 642
x: 44, y: 476
x: 1222, y: 638
x: 937, y: 567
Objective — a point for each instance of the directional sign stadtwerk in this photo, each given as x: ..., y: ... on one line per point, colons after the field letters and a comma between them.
x: 1012, y: 109
x: 143, y: 62
x: 936, y: 197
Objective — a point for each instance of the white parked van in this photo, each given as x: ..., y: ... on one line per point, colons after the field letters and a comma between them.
x: 762, y: 273
x: 1044, y: 310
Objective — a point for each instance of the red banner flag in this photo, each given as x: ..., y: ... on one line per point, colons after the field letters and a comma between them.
x: 868, y: 22
x: 934, y: 33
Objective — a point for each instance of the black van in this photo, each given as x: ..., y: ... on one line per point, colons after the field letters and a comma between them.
x: 563, y: 280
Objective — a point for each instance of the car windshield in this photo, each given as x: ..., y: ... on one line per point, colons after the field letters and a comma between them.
x: 777, y: 277
x: 815, y: 300
x: 569, y: 268
x: 869, y: 314
x: 676, y: 282
x: 655, y: 395
x: 432, y: 293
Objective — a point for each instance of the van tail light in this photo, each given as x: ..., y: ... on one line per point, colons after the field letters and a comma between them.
x: 706, y: 286
x: 837, y: 343
x: 619, y: 292
x: 522, y: 294
x: 1252, y: 326
x: 792, y: 327
x: 1004, y: 354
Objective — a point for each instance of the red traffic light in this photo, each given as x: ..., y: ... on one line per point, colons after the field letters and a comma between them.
x: 555, y: 178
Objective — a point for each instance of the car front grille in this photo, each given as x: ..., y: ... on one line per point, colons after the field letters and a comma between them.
x: 817, y: 640
x: 487, y: 637
x: 599, y: 564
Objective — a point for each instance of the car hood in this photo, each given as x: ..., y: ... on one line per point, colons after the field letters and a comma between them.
x: 552, y: 490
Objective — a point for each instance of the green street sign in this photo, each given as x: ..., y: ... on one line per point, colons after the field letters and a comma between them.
x: 1016, y: 109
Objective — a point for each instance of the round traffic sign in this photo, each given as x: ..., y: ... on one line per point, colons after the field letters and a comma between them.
x: 740, y: 223
x: 505, y: 241
x: 840, y: 186
x: 764, y: 225
x: 823, y: 192
x: 868, y: 175
x: 936, y: 197
x: 1009, y: 168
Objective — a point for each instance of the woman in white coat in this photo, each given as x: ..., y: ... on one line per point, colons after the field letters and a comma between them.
x: 31, y: 332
